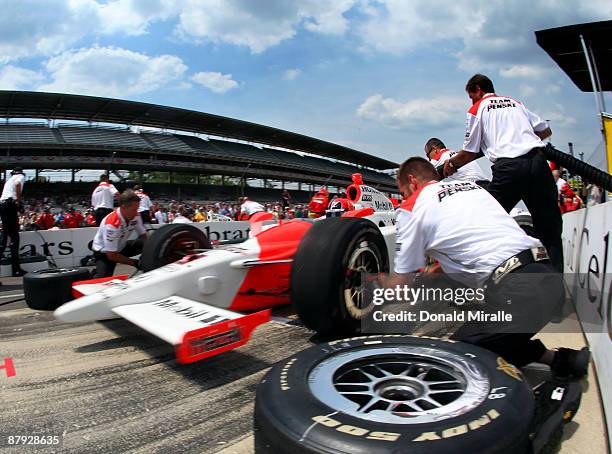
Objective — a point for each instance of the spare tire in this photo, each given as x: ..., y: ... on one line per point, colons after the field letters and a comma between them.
x: 326, y: 288
x: 48, y: 289
x: 171, y: 243
x: 393, y: 394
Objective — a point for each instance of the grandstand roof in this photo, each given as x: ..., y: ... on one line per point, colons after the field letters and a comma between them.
x: 24, y: 104
x: 565, y: 48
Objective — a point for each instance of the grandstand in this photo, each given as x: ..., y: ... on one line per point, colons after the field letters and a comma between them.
x: 83, y: 132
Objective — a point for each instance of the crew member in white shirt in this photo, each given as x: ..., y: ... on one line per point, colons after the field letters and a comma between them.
x: 112, y: 245
x: 102, y: 198
x: 479, y: 245
x: 249, y: 207
x: 9, y: 208
x: 145, y: 205
x: 511, y: 136
x: 438, y: 154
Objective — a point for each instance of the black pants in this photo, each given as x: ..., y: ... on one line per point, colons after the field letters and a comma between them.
x: 101, y: 213
x: 146, y: 216
x: 529, y: 178
x: 532, y: 295
x: 10, y: 229
x: 106, y: 267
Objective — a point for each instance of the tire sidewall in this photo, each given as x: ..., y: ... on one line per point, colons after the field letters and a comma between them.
x: 285, y: 408
x: 157, y: 248
x: 318, y: 272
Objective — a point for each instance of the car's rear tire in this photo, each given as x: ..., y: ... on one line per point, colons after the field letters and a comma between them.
x: 393, y: 394
x: 326, y: 287
x: 48, y: 289
x: 171, y: 243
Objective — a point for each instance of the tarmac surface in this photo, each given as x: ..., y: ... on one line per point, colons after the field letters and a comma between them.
x: 112, y: 387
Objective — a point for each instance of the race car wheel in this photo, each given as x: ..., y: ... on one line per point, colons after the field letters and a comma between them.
x: 171, y: 243
x: 326, y: 277
x: 393, y: 394
x: 48, y: 289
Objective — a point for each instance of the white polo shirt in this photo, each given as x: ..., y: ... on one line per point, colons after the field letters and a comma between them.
x: 469, y: 172
x: 145, y: 201
x: 10, y: 187
x: 502, y: 128
x: 249, y: 207
x: 462, y: 226
x: 114, y: 232
x: 103, y: 195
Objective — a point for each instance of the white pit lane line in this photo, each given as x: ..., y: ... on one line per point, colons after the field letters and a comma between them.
x: 12, y: 296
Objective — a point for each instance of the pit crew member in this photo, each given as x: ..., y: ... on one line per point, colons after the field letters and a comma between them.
x: 510, y: 136
x: 249, y: 207
x: 438, y: 154
x: 10, y: 201
x: 102, y: 198
x: 145, y: 205
x: 478, y: 244
x: 111, y: 245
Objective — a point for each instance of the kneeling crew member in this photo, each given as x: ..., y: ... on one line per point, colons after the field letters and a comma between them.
x: 478, y: 244
x: 111, y: 244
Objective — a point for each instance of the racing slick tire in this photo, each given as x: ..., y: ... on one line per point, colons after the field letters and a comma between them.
x: 171, y: 243
x: 48, y: 289
x: 447, y: 397
x: 326, y: 287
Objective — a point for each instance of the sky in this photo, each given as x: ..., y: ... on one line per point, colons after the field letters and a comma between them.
x: 379, y: 76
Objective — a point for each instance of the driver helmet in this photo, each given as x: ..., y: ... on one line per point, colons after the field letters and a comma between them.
x: 337, y: 207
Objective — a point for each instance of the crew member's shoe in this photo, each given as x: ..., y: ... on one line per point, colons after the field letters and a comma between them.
x: 557, y: 402
x: 19, y: 273
x: 571, y: 363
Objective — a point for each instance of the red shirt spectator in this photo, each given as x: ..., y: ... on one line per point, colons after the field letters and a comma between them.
x: 46, y: 220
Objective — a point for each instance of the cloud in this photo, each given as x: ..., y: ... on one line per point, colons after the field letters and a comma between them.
x: 110, y: 71
x: 291, y: 74
x: 133, y: 17
x: 527, y: 90
x: 215, y: 82
x: 258, y: 25
x: 558, y: 117
x: 416, y: 114
x: 44, y: 27
x: 525, y: 71
x: 15, y: 78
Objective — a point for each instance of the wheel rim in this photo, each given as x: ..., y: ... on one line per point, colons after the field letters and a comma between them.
x: 181, y: 247
x: 363, y: 259
x: 399, y: 384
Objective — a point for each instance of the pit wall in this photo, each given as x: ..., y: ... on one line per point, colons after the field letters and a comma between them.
x: 68, y: 246
x: 587, y: 246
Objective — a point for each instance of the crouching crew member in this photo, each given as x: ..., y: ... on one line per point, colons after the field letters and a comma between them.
x: 111, y: 244
x: 478, y: 244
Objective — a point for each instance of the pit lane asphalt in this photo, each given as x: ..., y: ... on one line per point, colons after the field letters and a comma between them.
x: 112, y: 387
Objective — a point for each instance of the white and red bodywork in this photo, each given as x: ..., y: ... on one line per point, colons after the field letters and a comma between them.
x: 208, y: 289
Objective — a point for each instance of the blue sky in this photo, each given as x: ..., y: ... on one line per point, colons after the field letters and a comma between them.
x: 379, y: 76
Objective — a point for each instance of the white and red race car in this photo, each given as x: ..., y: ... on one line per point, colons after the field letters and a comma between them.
x: 196, y: 300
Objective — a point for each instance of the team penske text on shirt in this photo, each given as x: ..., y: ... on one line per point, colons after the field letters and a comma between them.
x: 462, y: 226
x: 502, y: 128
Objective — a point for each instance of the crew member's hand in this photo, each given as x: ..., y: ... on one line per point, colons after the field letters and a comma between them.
x: 449, y: 168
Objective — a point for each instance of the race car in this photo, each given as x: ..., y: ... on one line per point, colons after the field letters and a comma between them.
x: 194, y: 296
